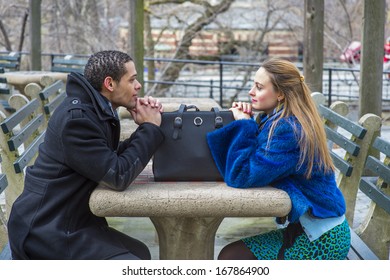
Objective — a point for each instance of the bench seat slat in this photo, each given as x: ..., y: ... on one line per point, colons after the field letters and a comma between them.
x: 343, y: 166
x: 50, y: 107
x: 343, y: 142
x: 28, y: 154
x: 25, y: 133
x: 359, y: 250
x: 5, y: 254
x: 50, y: 90
x: 11, y: 122
x: 353, y: 128
x: 375, y: 194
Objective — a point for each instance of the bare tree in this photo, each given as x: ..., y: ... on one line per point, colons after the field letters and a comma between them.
x: 13, y: 15
x: 207, y: 14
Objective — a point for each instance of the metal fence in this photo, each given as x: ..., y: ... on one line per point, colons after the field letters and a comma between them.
x: 223, y: 81
x: 228, y: 80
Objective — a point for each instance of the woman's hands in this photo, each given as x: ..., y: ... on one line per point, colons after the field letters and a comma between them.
x: 147, y: 109
x: 241, y: 110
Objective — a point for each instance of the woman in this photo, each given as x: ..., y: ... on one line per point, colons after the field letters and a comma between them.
x: 286, y: 148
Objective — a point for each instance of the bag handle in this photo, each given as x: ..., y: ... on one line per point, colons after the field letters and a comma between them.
x: 178, y: 121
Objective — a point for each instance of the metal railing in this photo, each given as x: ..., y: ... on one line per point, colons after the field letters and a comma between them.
x: 224, y: 80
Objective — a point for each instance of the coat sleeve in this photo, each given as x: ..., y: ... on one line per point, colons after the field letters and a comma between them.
x: 88, y: 153
x: 244, y: 157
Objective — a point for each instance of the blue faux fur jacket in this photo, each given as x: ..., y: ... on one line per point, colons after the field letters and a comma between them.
x: 242, y: 156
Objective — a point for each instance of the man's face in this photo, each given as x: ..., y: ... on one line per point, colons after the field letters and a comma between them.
x: 126, y: 90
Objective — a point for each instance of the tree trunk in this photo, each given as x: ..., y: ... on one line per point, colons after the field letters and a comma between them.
x: 136, y: 37
x: 35, y: 34
x: 313, y: 51
x: 372, y: 58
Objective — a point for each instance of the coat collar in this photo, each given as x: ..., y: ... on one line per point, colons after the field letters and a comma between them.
x: 78, y: 86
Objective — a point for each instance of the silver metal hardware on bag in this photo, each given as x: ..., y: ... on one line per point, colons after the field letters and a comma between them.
x: 198, y: 121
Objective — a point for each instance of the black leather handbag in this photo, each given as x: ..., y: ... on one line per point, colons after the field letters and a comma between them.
x: 185, y: 155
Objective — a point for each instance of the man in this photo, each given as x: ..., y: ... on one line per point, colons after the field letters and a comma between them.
x: 51, y: 219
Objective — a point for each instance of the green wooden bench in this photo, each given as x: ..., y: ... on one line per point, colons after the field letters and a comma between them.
x: 20, y: 135
x: 5, y: 92
x: 67, y: 63
x: 10, y: 61
x: 375, y: 229
x: 350, y: 144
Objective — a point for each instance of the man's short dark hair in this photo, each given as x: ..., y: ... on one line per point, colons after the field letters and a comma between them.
x: 105, y: 63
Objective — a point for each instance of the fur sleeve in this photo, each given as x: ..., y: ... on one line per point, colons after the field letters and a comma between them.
x: 244, y: 157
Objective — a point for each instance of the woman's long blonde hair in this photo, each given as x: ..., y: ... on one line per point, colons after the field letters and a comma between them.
x: 287, y: 80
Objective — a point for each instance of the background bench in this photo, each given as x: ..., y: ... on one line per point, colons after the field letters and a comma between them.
x: 10, y: 61
x: 5, y: 92
x: 67, y: 63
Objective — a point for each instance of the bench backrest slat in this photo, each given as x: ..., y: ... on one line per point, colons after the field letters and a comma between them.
x: 28, y: 154
x: 382, y: 145
x: 343, y: 166
x: 5, y: 91
x: 9, y: 65
x: 375, y: 165
x: 11, y: 122
x: 51, y: 106
x: 375, y: 194
x: 50, y: 90
x: 341, y: 121
x: 64, y: 61
x: 343, y: 142
x: 3, y: 180
x: 25, y: 133
x: 4, y: 88
x: 67, y: 69
x: 68, y: 63
x: 9, y: 57
x: 10, y: 60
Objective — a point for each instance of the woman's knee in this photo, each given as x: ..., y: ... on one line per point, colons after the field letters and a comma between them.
x: 236, y: 251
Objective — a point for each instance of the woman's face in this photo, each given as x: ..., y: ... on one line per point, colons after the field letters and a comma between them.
x: 264, y: 97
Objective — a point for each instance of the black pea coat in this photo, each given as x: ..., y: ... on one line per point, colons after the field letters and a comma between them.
x: 51, y: 219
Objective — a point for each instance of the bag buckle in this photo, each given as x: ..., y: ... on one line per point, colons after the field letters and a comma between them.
x: 177, y: 124
x: 218, y: 122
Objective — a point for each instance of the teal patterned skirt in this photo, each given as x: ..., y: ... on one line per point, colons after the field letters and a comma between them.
x: 332, y: 245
